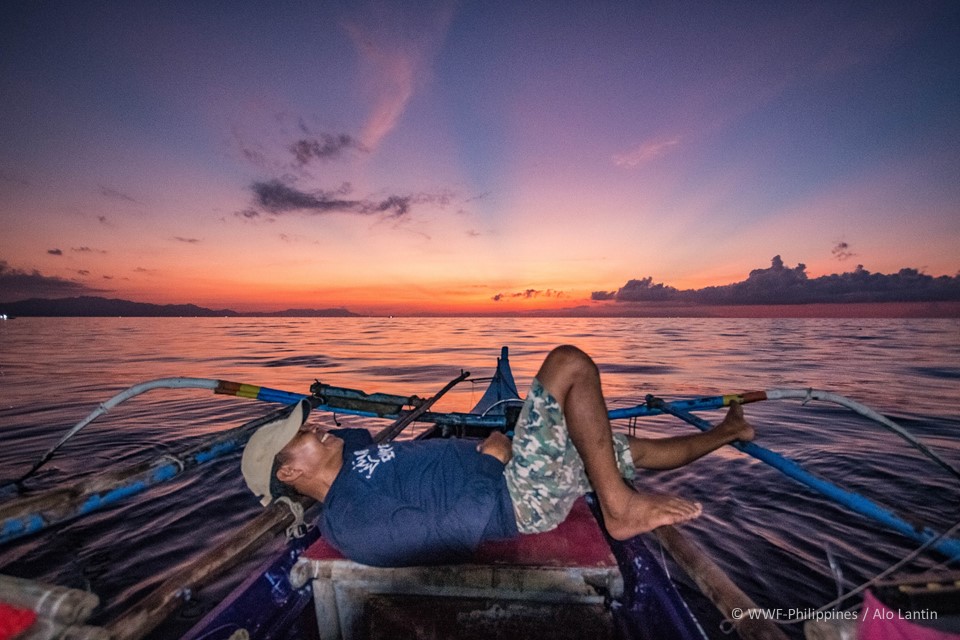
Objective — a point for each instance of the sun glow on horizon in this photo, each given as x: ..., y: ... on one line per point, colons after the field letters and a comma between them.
x: 501, y: 158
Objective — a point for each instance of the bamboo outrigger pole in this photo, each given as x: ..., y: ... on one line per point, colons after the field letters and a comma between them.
x: 31, y: 514
x: 326, y: 397
x: 221, y: 387
x: 34, y: 513
x: 949, y: 547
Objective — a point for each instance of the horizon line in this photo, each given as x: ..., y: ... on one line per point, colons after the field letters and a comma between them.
x: 648, y: 309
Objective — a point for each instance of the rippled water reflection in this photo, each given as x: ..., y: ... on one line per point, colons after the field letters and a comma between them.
x: 770, y: 534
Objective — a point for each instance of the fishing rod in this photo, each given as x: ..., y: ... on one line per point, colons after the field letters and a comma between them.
x: 948, y: 546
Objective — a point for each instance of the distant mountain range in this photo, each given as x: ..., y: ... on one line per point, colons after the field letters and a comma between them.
x: 90, y: 306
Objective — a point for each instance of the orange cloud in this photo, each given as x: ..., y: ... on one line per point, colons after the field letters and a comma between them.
x: 394, y: 64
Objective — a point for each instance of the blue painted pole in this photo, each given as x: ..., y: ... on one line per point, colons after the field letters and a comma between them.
x: 644, y: 410
x: 18, y: 519
x: 949, y: 547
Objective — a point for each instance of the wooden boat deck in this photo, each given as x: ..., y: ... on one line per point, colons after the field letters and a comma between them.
x: 561, y: 580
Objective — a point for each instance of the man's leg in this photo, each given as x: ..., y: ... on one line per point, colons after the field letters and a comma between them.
x: 573, y: 379
x: 670, y: 453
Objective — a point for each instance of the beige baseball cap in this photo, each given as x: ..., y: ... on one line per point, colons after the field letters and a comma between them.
x: 263, y: 447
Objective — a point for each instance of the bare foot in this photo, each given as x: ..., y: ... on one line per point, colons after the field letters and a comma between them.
x: 644, y: 512
x: 735, y: 425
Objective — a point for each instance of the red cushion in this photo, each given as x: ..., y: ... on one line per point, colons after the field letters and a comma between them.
x: 322, y: 550
x: 577, y: 542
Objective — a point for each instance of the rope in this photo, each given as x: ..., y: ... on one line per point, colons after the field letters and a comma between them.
x: 172, y: 459
x: 499, y: 402
x: 298, y: 528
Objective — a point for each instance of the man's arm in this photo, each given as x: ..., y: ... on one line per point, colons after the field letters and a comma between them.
x: 497, y: 445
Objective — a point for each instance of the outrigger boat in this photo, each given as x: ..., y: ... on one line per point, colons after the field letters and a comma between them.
x: 574, y: 581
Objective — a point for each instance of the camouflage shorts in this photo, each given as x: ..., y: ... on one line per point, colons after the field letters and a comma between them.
x: 546, y: 475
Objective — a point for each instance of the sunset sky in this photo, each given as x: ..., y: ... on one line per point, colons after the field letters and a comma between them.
x: 474, y: 156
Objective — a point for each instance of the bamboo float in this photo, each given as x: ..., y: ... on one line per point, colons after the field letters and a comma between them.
x: 61, y: 611
x: 46, y: 629
x: 715, y: 584
x: 60, y: 604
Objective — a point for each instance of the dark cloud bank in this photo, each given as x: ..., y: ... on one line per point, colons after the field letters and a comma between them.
x: 17, y: 283
x: 325, y: 146
x: 529, y: 294
x: 274, y: 197
x: 780, y: 284
x: 91, y: 306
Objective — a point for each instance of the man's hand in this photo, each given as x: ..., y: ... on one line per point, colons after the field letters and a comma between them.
x: 497, y: 445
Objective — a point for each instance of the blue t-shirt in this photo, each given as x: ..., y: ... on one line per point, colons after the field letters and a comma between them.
x: 411, y: 503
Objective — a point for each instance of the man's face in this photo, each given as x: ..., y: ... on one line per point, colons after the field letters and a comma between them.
x: 309, y: 460
x: 313, y: 445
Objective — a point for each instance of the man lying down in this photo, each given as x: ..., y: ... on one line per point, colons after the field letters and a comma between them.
x: 435, y: 501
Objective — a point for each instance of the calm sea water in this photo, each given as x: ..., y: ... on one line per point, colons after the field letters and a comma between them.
x: 770, y: 534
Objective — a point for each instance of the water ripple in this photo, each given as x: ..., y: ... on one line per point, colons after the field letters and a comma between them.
x: 945, y: 373
x: 319, y: 362
x: 769, y: 533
